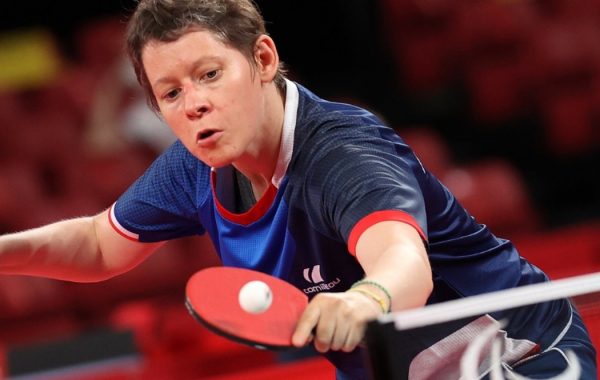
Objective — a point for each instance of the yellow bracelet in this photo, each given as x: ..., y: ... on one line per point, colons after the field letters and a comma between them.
x: 378, y: 286
x: 373, y: 296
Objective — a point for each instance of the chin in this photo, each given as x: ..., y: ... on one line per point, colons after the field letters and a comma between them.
x: 216, y: 158
x: 215, y: 162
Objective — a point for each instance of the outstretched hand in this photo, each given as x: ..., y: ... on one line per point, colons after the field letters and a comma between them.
x: 335, y: 321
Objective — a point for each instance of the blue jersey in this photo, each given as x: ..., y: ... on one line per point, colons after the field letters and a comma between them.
x: 339, y: 171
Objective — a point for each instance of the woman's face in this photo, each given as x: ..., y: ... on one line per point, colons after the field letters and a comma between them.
x: 209, y: 94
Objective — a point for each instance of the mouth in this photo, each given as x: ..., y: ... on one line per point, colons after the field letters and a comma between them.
x: 206, y: 136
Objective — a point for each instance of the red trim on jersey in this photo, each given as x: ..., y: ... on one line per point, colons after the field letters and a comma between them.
x: 116, y: 228
x: 250, y: 216
x: 380, y: 216
x: 534, y: 351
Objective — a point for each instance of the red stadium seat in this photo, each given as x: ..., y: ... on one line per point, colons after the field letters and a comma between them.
x: 570, y: 122
x: 25, y: 297
x: 174, y: 344
x: 314, y: 369
x: 100, y: 43
x: 21, y: 194
x: 105, y: 176
x: 491, y: 37
x: 492, y: 27
x: 564, y: 252
x: 496, y: 90
x: 430, y: 147
x: 570, y: 9
x: 496, y: 195
x: 564, y: 64
x: 418, y: 35
x: 11, y: 111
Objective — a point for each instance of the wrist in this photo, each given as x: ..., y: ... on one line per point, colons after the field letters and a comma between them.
x: 375, y: 298
x: 375, y: 291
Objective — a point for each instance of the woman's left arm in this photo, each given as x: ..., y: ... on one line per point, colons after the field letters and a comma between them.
x: 397, y: 277
x: 393, y: 256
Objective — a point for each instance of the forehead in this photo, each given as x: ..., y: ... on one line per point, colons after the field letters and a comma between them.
x: 191, y: 41
x: 191, y: 48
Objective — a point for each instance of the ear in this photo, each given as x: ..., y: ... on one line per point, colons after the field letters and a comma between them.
x: 266, y: 58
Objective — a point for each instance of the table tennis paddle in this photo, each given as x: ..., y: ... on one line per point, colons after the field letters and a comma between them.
x: 212, y: 298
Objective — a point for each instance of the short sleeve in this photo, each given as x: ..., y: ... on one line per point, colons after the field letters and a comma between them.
x: 366, y: 178
x: 163, y: 203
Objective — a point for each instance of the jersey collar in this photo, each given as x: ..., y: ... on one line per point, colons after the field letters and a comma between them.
x: 287, y: 136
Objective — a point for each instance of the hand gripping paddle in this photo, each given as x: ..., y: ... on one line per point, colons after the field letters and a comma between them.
x: 212, y: 298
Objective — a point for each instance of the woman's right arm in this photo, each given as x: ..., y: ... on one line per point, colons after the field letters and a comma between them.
x: 85, y: 249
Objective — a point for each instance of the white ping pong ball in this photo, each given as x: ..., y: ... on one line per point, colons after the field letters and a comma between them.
x: 255, y: 297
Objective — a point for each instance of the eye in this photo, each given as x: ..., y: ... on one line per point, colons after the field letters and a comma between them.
x: 172, y: 94
x: 211, y: 74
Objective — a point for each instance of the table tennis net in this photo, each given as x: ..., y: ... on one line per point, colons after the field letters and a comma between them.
x: 459, y: 339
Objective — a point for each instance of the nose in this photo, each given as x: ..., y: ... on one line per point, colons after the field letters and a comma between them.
x: 196, y: 104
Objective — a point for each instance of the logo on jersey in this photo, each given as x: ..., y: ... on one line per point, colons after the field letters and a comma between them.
x: 314, y: 277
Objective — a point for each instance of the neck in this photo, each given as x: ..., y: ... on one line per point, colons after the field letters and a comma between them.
x: 259, y: 166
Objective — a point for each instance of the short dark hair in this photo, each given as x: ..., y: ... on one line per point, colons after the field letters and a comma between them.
x: 238, y: 23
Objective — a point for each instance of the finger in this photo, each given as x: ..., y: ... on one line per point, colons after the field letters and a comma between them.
x: 304, y: 329
x: 325, y: 331
x: 341, y: 334
x: 354, y: 338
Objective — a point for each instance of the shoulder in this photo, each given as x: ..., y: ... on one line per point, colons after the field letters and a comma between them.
x: 323, y: 126
x: 317, y: 111
x: 178, y: 153
x: 177, y: 170
x: 333, y: 139
x: 176, y: 157
x: 329, y: 132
